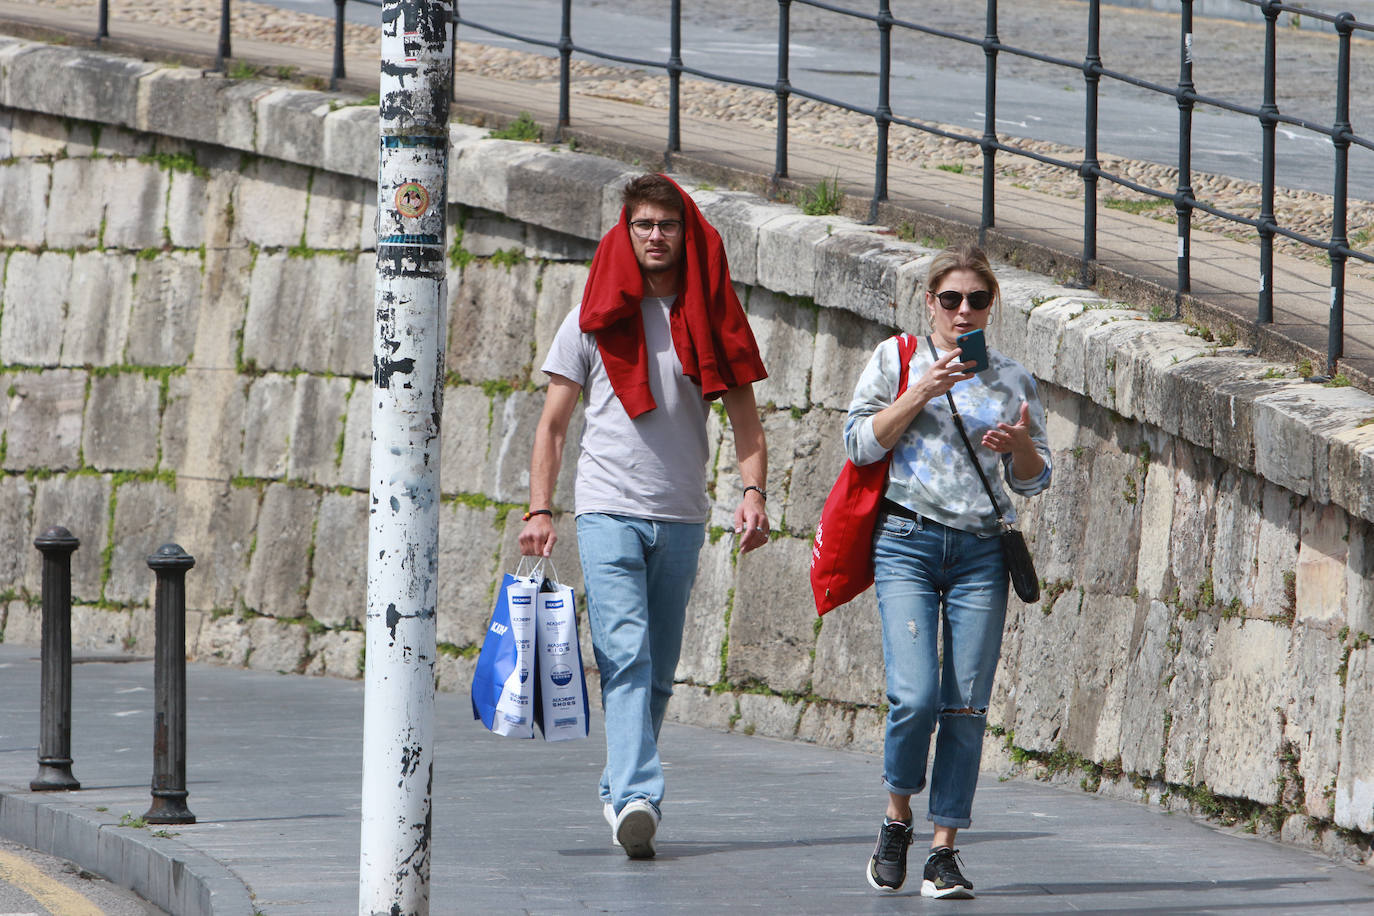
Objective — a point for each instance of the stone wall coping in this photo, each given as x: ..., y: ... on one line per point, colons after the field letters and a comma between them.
x: 72, y: 83
x: 1306, y: 438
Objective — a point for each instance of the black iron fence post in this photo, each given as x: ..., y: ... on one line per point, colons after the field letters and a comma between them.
x: 990, y: 42
x: 565, y: 48
x: 338, y: 72
x: 1269, y: 111
x: 675, y: 79
x: 1092, y: 76
x: 55, y: 724
x: 784, y: 90
x: 1340, y: 139
x: 170, y: 563
x: 1183, y: 196
x: 225, y: 50
x: 1089, y: 168
x: 882, y: 115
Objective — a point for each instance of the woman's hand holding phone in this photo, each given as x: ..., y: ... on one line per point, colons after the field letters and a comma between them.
x: 944, y: 374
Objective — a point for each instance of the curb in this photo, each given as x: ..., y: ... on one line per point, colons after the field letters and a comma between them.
x: 165, y: 872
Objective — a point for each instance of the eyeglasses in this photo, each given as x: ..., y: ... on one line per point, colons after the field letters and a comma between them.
x: 643, y: 228
x: 978, y: 300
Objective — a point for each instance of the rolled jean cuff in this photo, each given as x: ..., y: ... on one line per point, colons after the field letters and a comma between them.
x: 903, y: 790
x: 940, y: 820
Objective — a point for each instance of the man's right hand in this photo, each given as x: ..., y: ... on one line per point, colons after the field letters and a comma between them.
x: 537, y: 537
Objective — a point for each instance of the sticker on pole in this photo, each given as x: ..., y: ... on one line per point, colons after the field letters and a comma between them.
x: 412, y: 200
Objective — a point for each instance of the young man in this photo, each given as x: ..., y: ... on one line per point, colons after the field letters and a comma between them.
x: 658, y: 334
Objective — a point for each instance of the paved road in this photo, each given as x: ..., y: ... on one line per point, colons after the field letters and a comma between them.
x: 940, y: 80
x: 751, y: 824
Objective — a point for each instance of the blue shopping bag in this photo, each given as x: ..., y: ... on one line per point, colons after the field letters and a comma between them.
x: 503, y: 684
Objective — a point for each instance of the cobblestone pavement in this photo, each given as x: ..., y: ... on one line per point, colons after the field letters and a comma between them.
x: 1143, y: 43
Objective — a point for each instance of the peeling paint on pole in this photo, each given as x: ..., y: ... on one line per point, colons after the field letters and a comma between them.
x: 407, y: 401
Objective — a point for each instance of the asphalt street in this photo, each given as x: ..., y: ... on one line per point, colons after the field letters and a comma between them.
x: 942, y: 80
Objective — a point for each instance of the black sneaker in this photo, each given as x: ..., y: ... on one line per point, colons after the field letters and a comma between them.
x: 887, y: 868
x: 943, y: 878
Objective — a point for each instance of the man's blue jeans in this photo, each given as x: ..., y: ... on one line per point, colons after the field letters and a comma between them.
x: 928, y: 574
x: 638, y: 575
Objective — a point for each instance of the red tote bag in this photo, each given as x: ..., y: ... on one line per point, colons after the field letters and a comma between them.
x: 842, y: 554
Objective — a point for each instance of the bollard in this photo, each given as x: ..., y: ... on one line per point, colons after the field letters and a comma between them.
x: 169, y: 688
x: 55, y: 726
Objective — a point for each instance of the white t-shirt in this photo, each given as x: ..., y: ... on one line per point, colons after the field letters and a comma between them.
x: 653, y: 466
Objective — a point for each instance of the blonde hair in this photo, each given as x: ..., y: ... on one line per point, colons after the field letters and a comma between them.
x: 963, y: 257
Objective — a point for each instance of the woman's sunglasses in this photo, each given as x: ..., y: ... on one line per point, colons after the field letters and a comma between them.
x: 978, y: 300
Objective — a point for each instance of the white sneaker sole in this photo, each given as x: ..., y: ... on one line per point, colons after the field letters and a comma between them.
x: 873, y: 882
x: 635, y: 833
x: 928, y: 889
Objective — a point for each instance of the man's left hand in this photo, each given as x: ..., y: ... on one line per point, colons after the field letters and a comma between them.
x: 751, y: 522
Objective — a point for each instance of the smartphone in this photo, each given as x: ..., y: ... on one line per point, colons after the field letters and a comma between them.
x: 973, y: 349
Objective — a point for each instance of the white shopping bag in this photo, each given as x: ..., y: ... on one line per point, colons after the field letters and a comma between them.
x: 561, y: 703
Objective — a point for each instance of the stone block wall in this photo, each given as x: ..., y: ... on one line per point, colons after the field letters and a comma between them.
x: 185, y: 339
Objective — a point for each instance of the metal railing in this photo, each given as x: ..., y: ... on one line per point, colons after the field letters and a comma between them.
x: 1340, y: 133
x: 224, y: 48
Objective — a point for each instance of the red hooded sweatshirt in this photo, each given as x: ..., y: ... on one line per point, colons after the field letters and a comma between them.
x: 710, y: 332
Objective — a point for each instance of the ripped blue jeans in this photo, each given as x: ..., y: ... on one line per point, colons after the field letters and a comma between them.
x: 927, y: 575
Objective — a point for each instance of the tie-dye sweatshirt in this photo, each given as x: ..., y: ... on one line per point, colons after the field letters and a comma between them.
x: 931, y: 472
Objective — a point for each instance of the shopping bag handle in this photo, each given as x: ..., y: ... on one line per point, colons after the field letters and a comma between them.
x: 536, y: 568
x: 552, y: 579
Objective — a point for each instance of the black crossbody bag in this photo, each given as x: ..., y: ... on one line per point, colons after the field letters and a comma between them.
x: 1020, y: 566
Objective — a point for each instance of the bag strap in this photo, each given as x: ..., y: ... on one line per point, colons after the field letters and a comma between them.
x: 906, y: 348
x: 977, y: 466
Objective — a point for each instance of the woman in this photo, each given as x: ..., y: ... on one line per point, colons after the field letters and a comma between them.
x: 937, y: 557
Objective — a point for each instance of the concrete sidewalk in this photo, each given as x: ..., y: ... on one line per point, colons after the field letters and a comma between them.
x: 750, y: 824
